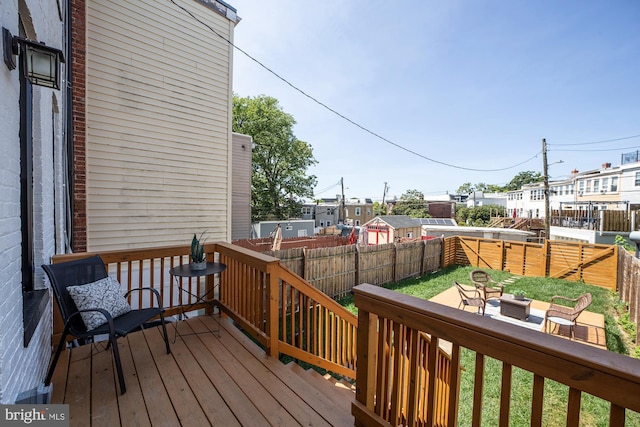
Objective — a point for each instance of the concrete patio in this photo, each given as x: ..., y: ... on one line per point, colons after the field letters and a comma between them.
x: 589, y: 327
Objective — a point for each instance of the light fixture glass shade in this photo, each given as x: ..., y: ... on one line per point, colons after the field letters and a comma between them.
x: 40, y: 63
x: 43, y: 67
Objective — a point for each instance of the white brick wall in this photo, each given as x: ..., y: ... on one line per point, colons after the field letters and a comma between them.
x: 24, y: 368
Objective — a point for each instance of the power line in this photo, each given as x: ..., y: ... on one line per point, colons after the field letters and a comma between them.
x: 596, y: 142
x: 322, y: 104
x: 604, y: 149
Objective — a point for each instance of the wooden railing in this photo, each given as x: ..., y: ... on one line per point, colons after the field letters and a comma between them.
x: 278, y: 308
x: 285, y: 313
x: 386, y: 396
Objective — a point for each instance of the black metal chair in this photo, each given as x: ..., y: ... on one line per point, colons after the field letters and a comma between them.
x: 85, y: 271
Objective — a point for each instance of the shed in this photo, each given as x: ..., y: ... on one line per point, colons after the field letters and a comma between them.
x: 391, y: 228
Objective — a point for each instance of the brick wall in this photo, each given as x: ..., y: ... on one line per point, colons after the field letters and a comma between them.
x: 78, y: 47
x: 23, y: 368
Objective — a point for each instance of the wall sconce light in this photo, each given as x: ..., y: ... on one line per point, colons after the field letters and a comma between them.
x: 41, y: 63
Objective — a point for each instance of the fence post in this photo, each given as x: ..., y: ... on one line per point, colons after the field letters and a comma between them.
x: 545, y: 253
x: 356, y: 262
x: 395, y: 261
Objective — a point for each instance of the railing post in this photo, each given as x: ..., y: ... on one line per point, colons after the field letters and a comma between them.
x: 366, y: 358
x: 272, y: 313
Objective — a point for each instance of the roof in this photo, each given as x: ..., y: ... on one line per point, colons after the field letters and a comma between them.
x: 438, y: 221
x: 398, y: 221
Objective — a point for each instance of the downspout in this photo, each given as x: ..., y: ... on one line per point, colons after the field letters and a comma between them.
x: 68, y: 118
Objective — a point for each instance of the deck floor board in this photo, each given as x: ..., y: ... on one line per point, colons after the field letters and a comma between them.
x: 206, y: 380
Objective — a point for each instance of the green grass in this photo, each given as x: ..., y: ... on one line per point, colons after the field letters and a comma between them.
x: 594, y: 411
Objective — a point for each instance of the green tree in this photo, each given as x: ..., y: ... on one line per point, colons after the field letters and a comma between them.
x: 411, y: 203
x: 522, y: 178
x: 279, y: 177
x: 379, y: 209
x: 465, y: 188
x: 480, y: 216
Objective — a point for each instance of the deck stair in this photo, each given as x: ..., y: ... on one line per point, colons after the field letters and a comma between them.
x: 340, y: 392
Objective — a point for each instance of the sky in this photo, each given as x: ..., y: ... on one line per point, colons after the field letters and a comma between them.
x: 446, y: 92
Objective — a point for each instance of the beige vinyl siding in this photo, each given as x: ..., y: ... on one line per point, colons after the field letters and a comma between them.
x: 158, y: 124
x: 241, y: 187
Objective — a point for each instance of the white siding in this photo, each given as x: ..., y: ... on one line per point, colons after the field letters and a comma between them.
x: 158, y: 124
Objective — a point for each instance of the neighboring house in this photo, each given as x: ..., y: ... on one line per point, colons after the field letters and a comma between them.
x: 358, y: 211
x: 32, y: 180
x: 391, y: 228
x: 152, y: 139
x: 290, y: 228
x: 241, y: 187
x: 608, y: 188
x: 325, y: 213
x: 480, y: 198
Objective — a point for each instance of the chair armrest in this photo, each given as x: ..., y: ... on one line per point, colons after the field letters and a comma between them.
x: 102, y: 311
x: 468, y: 289
x: 155, y: 292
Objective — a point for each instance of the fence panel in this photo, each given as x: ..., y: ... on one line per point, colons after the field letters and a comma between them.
x: 523, y: 259
x: 593, y: 264
x: 432, y: 258
x: 375, y: 264
x: 408, y: 260
x: 292, y: 258
x: 629, y: 286
x: 331, y: 270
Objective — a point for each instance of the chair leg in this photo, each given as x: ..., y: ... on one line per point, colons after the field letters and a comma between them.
x: 54, y: 362
x: 116, y: 358
x: 164, y: 331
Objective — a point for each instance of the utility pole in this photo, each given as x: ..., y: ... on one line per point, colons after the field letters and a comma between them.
x: 384, y: 194
x: 545, y: 172
x: 341, y: 216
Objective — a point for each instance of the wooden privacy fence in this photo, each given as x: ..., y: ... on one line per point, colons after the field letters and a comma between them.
x: 629, y: 286
x: 591, y: 263
x: 335, y: 271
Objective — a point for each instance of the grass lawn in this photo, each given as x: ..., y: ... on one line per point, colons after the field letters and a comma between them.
x: 594, y: 411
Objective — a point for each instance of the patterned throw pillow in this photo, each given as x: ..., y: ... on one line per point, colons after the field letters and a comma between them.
x: 105, y: 293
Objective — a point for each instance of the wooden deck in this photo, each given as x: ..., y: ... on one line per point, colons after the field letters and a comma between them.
x: 206, y: 381
x: 589, y: 327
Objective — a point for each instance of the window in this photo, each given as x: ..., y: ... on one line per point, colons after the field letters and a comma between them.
x: 588, y: 186
x: 614, y: 183
x: 328, y: 223
x: 306, y: 210
x: 358, y: 213
x: 289, y: 227
x: 596, y: 185
x: 581, y: 187
x: 410, y: 235
x: 637, y: 179
x: 605, y: 184
x: 357, y: 222
x: 368, y: 211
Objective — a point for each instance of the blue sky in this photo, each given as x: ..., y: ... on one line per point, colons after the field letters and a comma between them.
x: 474, y: 84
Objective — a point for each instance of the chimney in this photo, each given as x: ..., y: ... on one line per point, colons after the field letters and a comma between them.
x: 574, y: 172
x: 606, y: 165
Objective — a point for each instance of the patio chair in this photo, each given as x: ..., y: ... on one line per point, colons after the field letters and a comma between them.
x: 489, y: 287
x: 470, y: 297
x: 563, y: 315
x: 91, y: 304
